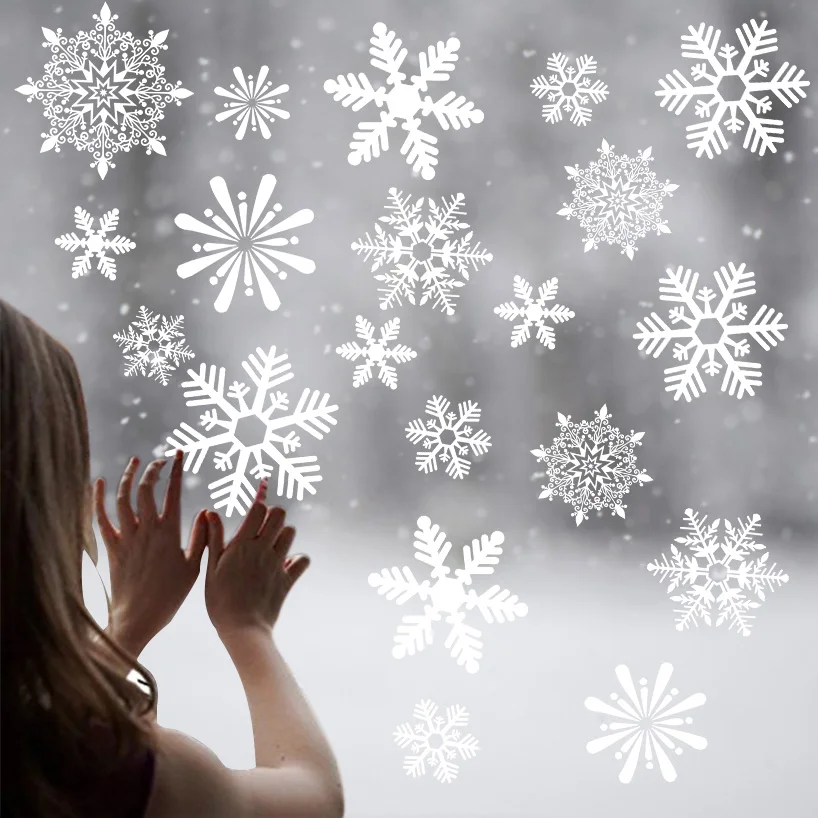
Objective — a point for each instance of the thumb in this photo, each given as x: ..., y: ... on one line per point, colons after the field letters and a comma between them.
x: 215, y: 540
x: 296, y: 566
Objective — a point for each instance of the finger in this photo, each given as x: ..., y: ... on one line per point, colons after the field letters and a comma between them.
x: 173, y: 495
x: 297, y: 567
x: 273, y: 523
x: 284, y: 542
x: 261, y: 493
x: 252, y: 521
x: 198, y: 540
x: 110, y: 535
x: 215, y: 540
x: 145, y: 502
x: 127, y: 518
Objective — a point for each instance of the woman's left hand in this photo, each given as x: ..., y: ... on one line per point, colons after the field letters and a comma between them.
x: 150, y: 573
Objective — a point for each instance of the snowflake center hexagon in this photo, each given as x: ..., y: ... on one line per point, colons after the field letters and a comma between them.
x: 569, y: 89
x: 95, y: 243
x: 448, y: 437
x: 717, y: 572
x: 435, y: 741
x: 448, y: 595
x: 732, y: 87
x: 534, y: 312
x: 421, y: 251
x: 250, y: 431
x: 375, y: 352
x: 403, y: 101
x: 709, y: 331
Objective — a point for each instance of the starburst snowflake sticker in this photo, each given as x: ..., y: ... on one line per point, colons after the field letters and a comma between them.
x: 710, y: 330
x: 591, y: 465
x: 532, y: 312
x: 728, y: 89
x: 646, y: 723
x: 436, y: 741
x: 95, y: 243
x: 617, y: 199
x: 446, y: 596
x: 726, y: 570
x: 376, y: 352
x: 569, y: 89
x: 401, y: 101
x: 427, y: 248
x: 252, y: 102
x: 152, y: 348
x: 246, y: 244
x: 263, y: 431
x: 104, y: 91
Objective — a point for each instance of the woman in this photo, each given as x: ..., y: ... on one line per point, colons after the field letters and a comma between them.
x: 79, y: 739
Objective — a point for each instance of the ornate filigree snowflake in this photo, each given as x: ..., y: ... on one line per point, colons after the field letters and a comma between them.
x: 376, y: 352
x: 533, y: 312
x: 252, y: 102
x: 568, y: 89
x: 95, y: 243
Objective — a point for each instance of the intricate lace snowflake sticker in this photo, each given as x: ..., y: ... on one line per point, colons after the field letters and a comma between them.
x: 436, y: 741
x: 646, y: 723
x: 533, y: 312
x: 402, y: 101
x: 428, y: 248
x: 246, y: 243
x: 153, y: 349
x: 708, y: 334
x: 96, y: 243
x: 447, y: 436
x: 718, y: 570
x: 728, y: 90
x: 591, y: 465
x: 617, y: 199
x: 376, y: 352
x: 104, y: 91
x: 569, y: 89
x: 253, y: 431
x: 252, y: 102
x: 448, y: 595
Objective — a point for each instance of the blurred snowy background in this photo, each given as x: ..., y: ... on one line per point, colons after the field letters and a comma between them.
x: 592, y: 604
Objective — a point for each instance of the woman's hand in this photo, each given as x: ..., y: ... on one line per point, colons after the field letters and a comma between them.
x: 150, y: 574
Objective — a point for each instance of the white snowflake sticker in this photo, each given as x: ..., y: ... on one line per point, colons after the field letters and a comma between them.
x: 710, y: 331
x: 646, y: 723
x: 436, y: 741
x: 154, y: 349
x: 401, y: 101
x: 245, y: 244
x: 104, y: 91
x: 448, y: 436
x: 376, y: 352
x: 568, y: 88
x: 448, y: 596
x: 252, y: 102
x: 95, y: 243
x: 617, y: 199
x: 533, y: 312
x: 728, y: 571
x: 429, y: 248
x: 263, y: 430
x: 591, y: 465
x: 727, y: 89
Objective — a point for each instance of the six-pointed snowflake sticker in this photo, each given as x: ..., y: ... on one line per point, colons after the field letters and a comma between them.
x: 436, y: 741
x: 448, y: 597
x: 591, y: 465
x: 533, y: 312
x: 448, y: 436
x: 427, y: 248
x: 713, y: 331
x: 263, y: 431
x: 376, y: 352
x: 246, y: 244
x: 252, y: 102
x: 153, y: 348
x: 645, y: 723
x: 727, y: 571
x: 617, y: 199
x: 104, y: 91
x: 403, y: 102
x: 95, y: 243
x: 727, y: 89
x: 568, y: 88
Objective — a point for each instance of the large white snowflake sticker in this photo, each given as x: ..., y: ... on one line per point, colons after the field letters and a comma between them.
x: 263, y: 430
x: 154, y: 349
x: 252, y: 102
x: 95, y: 243
x: 591, y: 465
x: 104, y: 91
x: 448, y: 436
x: 645, y: 723
x: 728, y: 89
x: 726, y: 570
x: 436, y: 741
x: 427, y: 248
x: 617, y: 199
x: 448, y: 597
x: 569, y: 88
x: 376, y: 352
x: 246, y: 244
x: 710, y: 329
x: 401, y: 101
x: 533, y: 312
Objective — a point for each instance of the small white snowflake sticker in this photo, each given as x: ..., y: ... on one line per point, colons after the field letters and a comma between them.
x: 568, y: 88
x: 376, y: 352
x: 436, y: 741
x: 95, y: 243
x: 252, y: 102
x: 533, y: 312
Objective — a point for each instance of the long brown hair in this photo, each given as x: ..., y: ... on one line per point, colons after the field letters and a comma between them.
x: 61, y: 672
